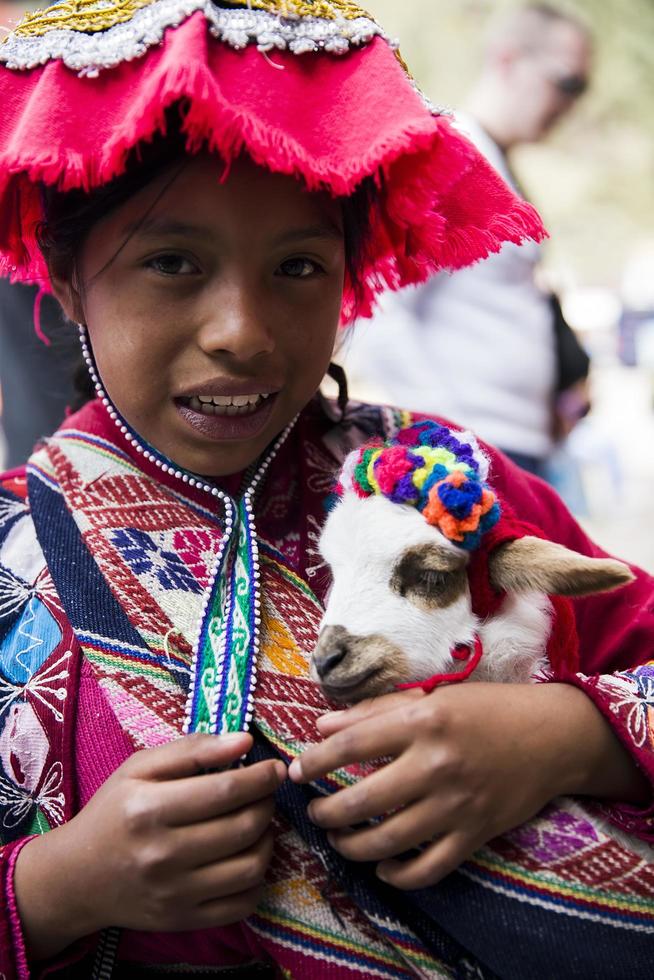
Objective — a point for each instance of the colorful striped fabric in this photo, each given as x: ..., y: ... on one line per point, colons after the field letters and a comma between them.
x: 129, y: 561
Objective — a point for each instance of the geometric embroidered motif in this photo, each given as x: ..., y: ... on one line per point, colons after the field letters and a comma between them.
x: 14, y: 593
x: 30, y: 642
x: 145, y: 555
x: 197, y: 550
x: 29, y: 790
x: 632, y: 699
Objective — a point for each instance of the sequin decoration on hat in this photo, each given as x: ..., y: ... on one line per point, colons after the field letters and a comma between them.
x: 313, y: 90
x: 89, y: 35
x: 440, y: 472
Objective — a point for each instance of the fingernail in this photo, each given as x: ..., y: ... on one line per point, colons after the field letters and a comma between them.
x: 382, y: 873
x: 329, y: 715
x: 313, y: 816
x: 231, y: 738
x: 295, y: 770
x: 280, y: 771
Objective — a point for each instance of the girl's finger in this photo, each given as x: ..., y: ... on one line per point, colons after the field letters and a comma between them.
x: 205, y: 843
x: 224, y: 911
x: 396, y: 834
x: 335, y: 721
x: 393, y: 786
x: 436, y: 862
x: 202, y: 798
x: 358, y: 743
x: 188, y: 756
x: 237, y: 874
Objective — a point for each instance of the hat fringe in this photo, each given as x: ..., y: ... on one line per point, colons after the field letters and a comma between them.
x: 441, y: 206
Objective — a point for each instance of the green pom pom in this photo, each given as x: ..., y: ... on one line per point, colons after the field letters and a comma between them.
x: 361, y: 470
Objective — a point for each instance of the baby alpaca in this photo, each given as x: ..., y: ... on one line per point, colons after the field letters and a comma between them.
x: 399, y: 543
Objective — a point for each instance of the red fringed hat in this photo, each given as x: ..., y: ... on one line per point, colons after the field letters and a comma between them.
x: 312, y: 88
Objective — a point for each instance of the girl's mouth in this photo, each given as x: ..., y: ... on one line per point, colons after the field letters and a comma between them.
x: 225, y: 404
x: 227, y: 417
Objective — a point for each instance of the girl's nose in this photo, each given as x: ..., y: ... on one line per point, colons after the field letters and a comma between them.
x: 235, y: 324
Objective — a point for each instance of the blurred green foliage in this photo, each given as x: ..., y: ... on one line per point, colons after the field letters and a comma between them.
x: 593, y: 179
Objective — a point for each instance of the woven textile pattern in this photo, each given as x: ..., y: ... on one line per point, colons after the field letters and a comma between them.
x: 563, y: 873
x: 292, y: 931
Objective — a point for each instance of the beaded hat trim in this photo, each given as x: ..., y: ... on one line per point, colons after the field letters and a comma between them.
x: 437, y: 204
x: 440, y: 472
x: 91, y: 35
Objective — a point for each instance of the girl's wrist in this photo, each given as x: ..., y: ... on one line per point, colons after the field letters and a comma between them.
x: 585, y: 755
x: 54, y: 909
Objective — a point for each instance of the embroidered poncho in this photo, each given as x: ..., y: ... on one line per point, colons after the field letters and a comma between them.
x: 105, y: 570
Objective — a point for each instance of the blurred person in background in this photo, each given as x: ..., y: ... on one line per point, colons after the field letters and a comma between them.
x: 486, y: 345
x: 35, y: 372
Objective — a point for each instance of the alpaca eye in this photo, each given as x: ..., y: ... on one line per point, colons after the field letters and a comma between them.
x: 418, y: 577
x: 434, y: 581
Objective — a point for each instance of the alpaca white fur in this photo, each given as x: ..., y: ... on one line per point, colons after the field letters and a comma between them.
x: 374, y: 637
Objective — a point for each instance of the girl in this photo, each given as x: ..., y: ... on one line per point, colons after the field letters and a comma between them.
x: 208, y: 212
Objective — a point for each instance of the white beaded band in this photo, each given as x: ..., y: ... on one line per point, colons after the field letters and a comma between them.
x: 146, y: 451
x: 88, y: 54
x: 231, y: 520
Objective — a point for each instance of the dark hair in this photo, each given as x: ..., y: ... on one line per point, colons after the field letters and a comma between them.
x: 70, y: 215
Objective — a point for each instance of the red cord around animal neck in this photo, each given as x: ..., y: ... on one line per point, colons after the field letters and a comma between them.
x: 460, y: 652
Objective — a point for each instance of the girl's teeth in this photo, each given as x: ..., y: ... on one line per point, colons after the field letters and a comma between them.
x: 225, y: 404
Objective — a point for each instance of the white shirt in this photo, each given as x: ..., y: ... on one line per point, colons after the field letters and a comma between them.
x: 475, y: 346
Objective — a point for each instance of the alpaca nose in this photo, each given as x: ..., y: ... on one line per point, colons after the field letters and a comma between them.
x: 331, y: 651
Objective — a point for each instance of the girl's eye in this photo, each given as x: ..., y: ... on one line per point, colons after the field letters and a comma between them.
x: 299, y: 268
x: 172, y: 264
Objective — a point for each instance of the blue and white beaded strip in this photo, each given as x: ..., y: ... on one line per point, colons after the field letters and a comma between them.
x: 249, y: 554
x: 233, y: 518
x: 140, y: 445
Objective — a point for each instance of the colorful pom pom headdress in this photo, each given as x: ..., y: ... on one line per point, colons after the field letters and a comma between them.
x: 439, y: 472
x: 443, y: 474
x: 312, y: 88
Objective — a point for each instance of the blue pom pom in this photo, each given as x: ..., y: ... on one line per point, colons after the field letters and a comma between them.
x: 434, y: 435
x: 438, y: 473
x: 471, y: 541
x: 491, y: 518
x: 460, y: 500
x: 405, y: 491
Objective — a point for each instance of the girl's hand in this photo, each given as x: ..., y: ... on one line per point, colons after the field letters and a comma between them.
x: 468, y: 762
x: 165, y: 844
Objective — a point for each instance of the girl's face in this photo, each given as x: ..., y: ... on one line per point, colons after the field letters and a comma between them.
x: 213, y: 319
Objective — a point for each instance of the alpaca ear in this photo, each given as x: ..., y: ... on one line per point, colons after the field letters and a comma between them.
x: 533, y: 565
